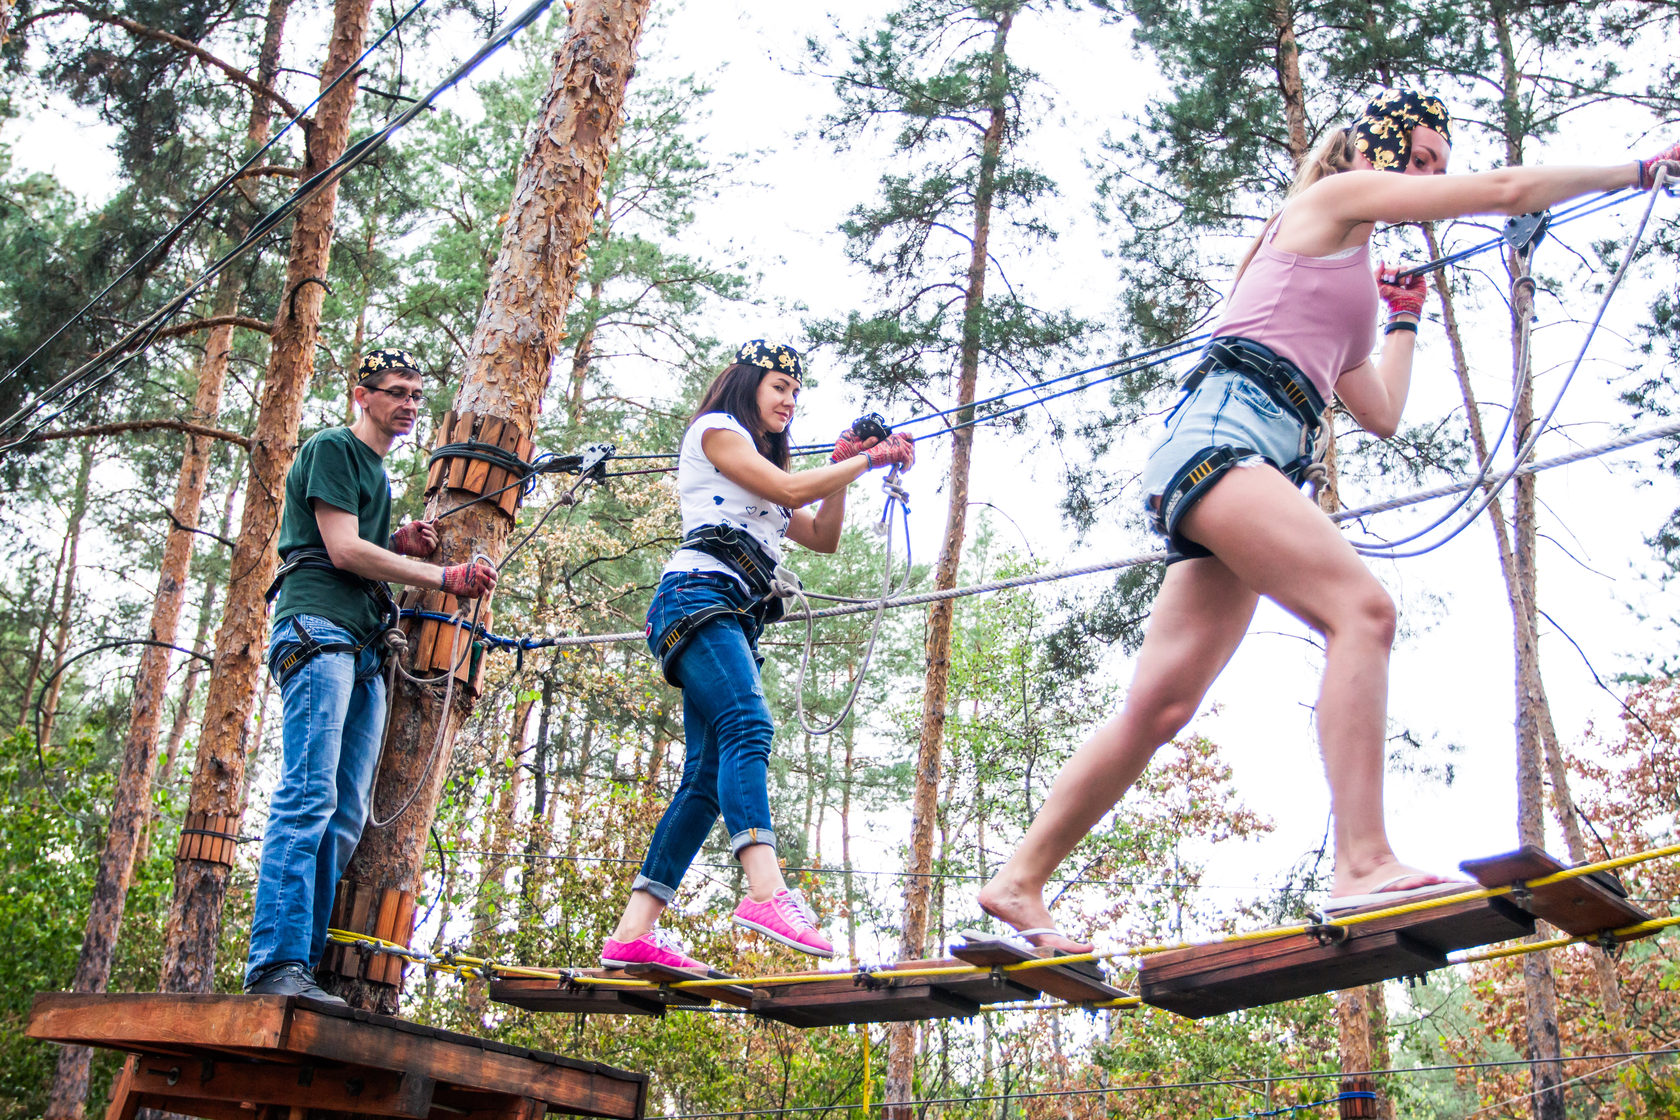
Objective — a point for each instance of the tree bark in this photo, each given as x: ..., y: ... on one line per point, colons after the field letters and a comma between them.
x: 520, y: 331
x: 1289, y: 78
x: 195, y: 913
x: 901, y: 1046
x: 66, y: 599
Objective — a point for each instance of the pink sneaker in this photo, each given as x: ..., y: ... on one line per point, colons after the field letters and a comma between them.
x: 787, y: 918
x: 657, y: 946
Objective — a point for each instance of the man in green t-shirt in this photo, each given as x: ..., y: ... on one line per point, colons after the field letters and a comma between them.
x: 324, y: 651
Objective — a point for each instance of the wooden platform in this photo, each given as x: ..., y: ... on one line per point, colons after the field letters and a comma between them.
x: 1213, y: 979
x: 244, y: 1057
x: 827, y: 998
x: 1582, y: 906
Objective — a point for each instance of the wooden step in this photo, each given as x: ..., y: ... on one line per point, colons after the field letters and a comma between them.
x: 1214, y: 979
x: 1581, y: 906
x: 565, y: 995
x: 1080, y: 982
x: 853, y: 997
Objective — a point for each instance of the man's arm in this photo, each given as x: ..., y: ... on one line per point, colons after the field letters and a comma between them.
x: 350, y: 552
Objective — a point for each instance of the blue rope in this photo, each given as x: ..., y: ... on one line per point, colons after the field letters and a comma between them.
x: 496, y: 641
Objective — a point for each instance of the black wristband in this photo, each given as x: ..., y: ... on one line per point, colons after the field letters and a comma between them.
x: 1400, y: 325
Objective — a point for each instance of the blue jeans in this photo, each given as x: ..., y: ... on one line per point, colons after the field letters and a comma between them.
x: 334, y: 719
x: 726, y: 723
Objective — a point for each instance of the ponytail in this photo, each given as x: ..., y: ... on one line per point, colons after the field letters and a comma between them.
x: 1334, y: 154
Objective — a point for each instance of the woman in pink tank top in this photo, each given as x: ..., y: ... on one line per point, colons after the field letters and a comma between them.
x: 1300, y: 324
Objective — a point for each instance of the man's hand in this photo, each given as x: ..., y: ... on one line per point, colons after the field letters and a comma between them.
x: 469, y: 581
x: 417, y: 538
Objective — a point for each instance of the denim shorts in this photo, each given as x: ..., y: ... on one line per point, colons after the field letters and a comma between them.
x: 683, y: 594
x: 1227, y: 409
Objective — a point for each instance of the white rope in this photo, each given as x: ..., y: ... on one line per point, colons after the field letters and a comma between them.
x: 851, y: 606
x: 1391, y: 550
x: 896, y: 497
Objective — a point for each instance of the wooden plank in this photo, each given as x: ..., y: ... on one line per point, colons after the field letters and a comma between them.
x: 541, y: 994
x: 434, y: 473
x: 509, y: 501
x: 461, y: 433
x: 460, y: 1061
x: 291, y: 1031
x: 341, y: 1089
x: 1081, y: 982
x: 1212, y: 980
x: 478, y: 471
x: 124, y: 1104
x: 842, y: 1000
x: 736, y: 995
x: 1580, y: 906
x: 132, y: 1022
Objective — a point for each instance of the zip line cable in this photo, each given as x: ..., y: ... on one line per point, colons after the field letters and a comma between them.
x: 203, y: 204
x: 1231, y: 1083
x: 1525, y: 450
x: 352, y: 157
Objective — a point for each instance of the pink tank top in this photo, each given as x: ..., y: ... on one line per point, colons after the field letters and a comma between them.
x: 1319, y: 312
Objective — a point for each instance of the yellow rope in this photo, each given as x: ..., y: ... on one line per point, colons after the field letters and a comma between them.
x: 866, y: 1078
x: 465, y: 965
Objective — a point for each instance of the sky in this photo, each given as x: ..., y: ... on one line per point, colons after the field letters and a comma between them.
x: 1452, y: 669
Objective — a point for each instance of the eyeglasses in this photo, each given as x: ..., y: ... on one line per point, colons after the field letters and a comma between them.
x: 417, y: 398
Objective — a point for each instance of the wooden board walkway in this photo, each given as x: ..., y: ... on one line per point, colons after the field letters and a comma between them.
x: 273, y: 1057
x: 1196, y: 982
x: 822, y: 999
x: 1214, y: 979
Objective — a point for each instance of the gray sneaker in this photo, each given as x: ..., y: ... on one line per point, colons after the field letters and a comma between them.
x: 289, y: 978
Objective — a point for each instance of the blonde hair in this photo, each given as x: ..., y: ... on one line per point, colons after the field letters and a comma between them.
x: 1334, y: 154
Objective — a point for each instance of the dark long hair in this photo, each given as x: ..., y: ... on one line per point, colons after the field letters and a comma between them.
x: 735, y: 392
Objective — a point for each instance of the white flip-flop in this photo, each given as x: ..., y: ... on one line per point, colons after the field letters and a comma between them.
x: 1382, y: 897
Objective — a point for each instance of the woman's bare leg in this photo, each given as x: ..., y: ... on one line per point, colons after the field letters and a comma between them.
x: 1198, y: 619
x: 1279, y: 544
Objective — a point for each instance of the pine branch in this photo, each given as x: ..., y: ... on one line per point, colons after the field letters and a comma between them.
x: 141, y: 31
x: 215, y: 321
x: 143, y: 426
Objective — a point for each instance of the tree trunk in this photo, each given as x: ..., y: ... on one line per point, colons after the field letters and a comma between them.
x: 67, y: 596
x: 195, y: 914
x: 520, y: 330
x: 901, y: 1047
x: 131, y: 805
x: 39, y: 654
x: 201, y: 638
x: 1289, y: 78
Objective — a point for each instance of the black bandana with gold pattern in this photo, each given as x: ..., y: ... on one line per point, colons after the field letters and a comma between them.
x: 772, y: 355
x: 1383, y: 133
x: 376, y: 362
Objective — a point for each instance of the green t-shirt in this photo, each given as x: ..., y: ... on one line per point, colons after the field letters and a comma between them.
x: 334, y: 467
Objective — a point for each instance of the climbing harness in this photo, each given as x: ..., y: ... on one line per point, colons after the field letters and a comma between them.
x: 318, y: 560
x: 1282, y: 381
x: 768, y: 583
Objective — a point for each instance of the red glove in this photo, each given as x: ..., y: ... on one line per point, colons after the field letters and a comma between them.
x: 1648, y: 167
x: 846, y: 445
x: 417, y: 538
x: 1404, y: 297
x: 897, y: 450
x: 469, y: 581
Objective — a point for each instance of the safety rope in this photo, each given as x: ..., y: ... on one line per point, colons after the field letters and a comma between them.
x: 1525, y: 450
x: 139, y: 337
x: 851, y: 606
x: 897, y: 497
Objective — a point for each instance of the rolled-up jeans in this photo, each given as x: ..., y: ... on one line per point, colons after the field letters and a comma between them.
x: 333, y: 720
x: 726, y: 723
